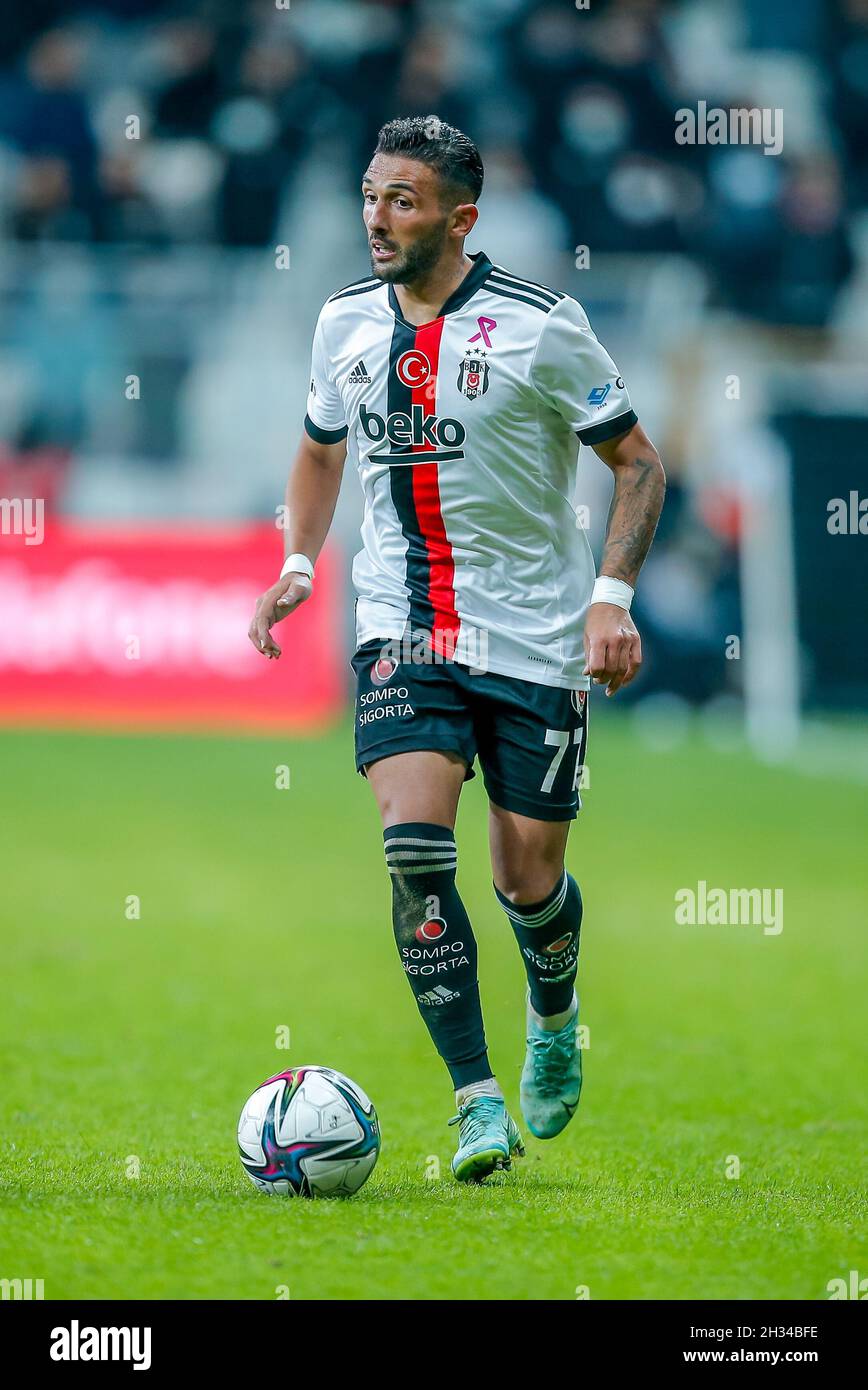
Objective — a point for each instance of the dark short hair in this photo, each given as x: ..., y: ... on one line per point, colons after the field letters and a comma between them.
x: 431, y: 141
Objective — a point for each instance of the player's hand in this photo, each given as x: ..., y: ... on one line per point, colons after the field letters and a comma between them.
x: 276, y: 603
x: 613, y: 647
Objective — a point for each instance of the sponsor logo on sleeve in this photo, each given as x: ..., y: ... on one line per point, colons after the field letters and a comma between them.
x: 598, y: 394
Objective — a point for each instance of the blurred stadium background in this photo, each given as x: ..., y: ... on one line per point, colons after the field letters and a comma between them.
x: 153, y: 371
x: 153, y: 358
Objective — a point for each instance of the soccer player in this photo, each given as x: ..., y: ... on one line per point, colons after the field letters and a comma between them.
x: 461, y: 393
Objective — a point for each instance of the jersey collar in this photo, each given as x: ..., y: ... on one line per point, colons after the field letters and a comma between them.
x: 473, y: 281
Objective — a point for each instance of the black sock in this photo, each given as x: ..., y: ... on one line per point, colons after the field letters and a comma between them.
x: 548, y: 937
x: 437, y: 945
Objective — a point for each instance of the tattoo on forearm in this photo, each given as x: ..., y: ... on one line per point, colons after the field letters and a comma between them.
x: 633, y: 516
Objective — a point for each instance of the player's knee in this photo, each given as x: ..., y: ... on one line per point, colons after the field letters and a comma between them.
x: 526, y: 867
x: 523, y: 884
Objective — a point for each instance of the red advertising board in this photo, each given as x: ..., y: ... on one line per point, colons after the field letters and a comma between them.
x: 148, y: 627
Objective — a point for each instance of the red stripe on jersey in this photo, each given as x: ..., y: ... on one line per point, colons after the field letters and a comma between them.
x: 426, y: 495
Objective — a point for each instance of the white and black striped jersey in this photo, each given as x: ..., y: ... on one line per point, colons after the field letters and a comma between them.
x: 465, y: 432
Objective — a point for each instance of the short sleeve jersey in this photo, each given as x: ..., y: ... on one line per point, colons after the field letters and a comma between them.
x: 465, y: 433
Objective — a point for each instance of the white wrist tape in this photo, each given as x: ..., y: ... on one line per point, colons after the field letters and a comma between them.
x: 297, y: 564
x: 608, y: 590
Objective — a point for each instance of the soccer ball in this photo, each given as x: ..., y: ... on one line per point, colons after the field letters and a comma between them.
x: 310, y: 1132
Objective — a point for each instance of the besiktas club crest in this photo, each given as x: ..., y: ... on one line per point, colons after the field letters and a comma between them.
x: 473, y: 377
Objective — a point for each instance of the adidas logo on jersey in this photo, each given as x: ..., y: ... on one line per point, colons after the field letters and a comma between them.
x: 439, y: 995
x: 359, y: 376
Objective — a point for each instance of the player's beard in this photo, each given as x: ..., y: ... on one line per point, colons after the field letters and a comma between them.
x: 416, y: 261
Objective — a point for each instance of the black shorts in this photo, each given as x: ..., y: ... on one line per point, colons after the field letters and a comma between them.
x: 530, y: 739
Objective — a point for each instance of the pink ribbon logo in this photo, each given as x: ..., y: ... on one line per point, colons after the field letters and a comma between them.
x: 485, y: 325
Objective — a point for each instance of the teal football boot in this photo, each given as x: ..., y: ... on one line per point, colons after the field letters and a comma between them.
x: 487, y: 1138
x: 551, y: 1081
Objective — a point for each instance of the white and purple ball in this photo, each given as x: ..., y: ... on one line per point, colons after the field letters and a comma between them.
x: 309, y: 1132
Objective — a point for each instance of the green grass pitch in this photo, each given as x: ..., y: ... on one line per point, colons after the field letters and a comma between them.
x: 129, y: 1046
